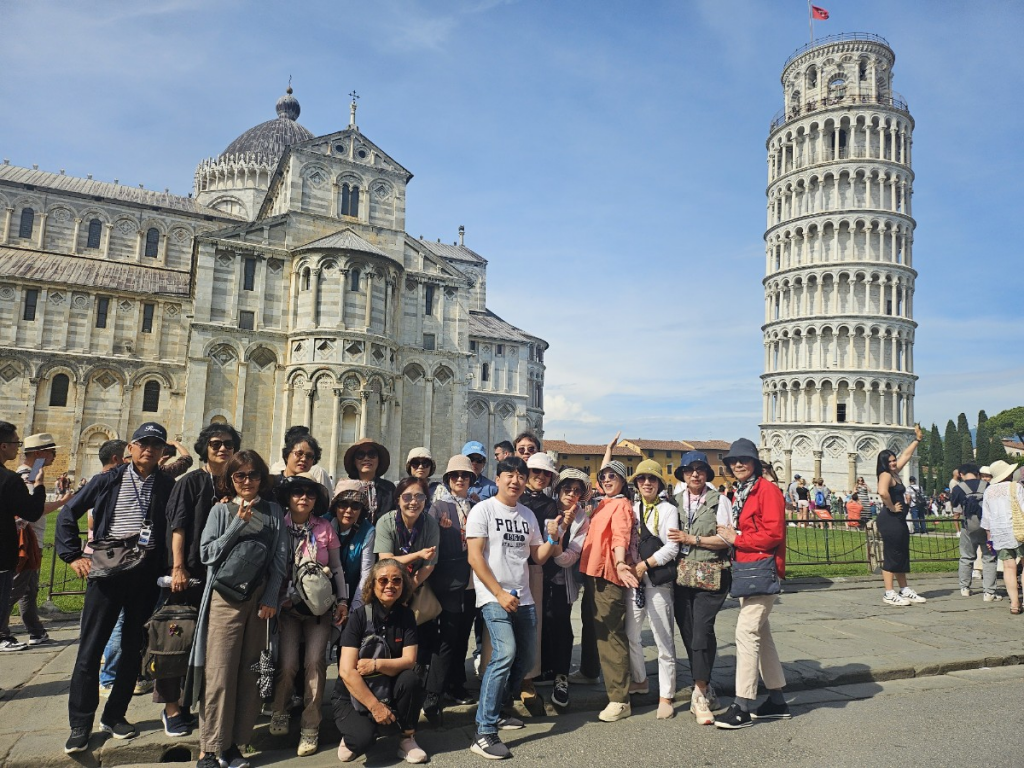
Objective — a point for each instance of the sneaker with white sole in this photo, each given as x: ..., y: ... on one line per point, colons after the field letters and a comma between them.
x: 78, y: 741
x: 11, y: 644
x: 579, y: 678
x: 560, y: 691
x: 279, y: 722
x: 410, y: 751
x: 908, y: 594
x: 733, y: 718
x: 122, y: 729
x: 769, y: 710
x: 616, y: 710
x: 490, y: 746
x: 965, y: 592
x: 701, y: 709
x: 43, y: 639
x: 712, y: 698
x: 510, y: 724
x: 891, y: 598
x: 640, y: 689
x: 992, y: 597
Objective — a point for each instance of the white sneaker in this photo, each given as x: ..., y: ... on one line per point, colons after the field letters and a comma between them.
x: 700, y: 708
x: 910, y: 595
x: 965, y: 592
x: 992, y: 597
x: 712, y: 698
x: 891, y: 598
x: 616, y: 710
x: 476, y: 665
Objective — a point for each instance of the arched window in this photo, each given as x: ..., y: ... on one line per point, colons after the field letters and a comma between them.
x: 59, y: 391
x: 152, y: 242
x: 305, y: 279
x: 28, y: 218
x: 151, y: 396
x: 349, y: 199
x: 354, y: 280
x: 95, y: 230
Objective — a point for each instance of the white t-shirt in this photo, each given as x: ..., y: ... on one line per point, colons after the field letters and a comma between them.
x: 508, y: 534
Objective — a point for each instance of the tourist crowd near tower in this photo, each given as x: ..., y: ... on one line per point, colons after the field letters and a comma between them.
x: 838, y: 383
x: 285, y: 291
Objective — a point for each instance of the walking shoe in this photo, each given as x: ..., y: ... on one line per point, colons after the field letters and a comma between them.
x: 772, y: 711
x: 345, y: 754
x: 640, y: 689
x: 712, y: 698
x: 908, y: 594
x: 122, y: 729
x: 700, y: 708
x: 965, y: 592
x: 43, y: 639
x: 665, y: 710
x: 78, y: 741
x: 461, y: 696
x: 733, y: 718
x: 279, y: 722
x: 581, y: 679
x: 142, y: 685
x: 510, y: 724
x: 175, y: 726
x: 528, y: 691
x: 410, y: 751
x: 891, y: 598
x: 616, y: 710
x: 992, y: 597
x: 560, y: 691
x: 105, y: 690
x: 11, y: 644
x: 490, y: 746
x: 309, y: 740
x: 432, y: 709
x: 209, y: 760
x: 233, y: 757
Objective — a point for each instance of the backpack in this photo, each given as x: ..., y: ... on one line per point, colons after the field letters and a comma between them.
x: 972, y: 504
x: 29, y: 555
x: 820, y: 499
x: 374, y: 646
x: 171, y: 632
x: 312, y: 580
x: 244, y: 566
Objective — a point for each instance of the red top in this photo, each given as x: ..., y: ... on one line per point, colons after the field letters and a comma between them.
x: 762, y: 526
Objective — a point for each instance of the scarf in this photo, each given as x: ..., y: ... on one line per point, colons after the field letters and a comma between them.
x: 742, y: 492
x: 407, y: 537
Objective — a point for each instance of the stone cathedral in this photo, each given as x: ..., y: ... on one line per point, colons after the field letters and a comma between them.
x: 838, y: 383
x: 283, y: 291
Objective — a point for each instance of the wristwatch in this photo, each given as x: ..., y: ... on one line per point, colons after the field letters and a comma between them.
x: 696, y: 541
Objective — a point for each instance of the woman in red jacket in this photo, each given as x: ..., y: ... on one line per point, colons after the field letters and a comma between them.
x: 759, y: 513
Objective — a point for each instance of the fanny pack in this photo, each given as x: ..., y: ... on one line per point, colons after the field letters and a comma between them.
x: 111, y: 556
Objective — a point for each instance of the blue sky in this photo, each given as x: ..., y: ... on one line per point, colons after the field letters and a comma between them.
x: 608, y: 159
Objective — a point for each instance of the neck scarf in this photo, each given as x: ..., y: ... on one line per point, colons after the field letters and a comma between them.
x: 407, y: 536
x: 647, y: 510
x: 742, y: 492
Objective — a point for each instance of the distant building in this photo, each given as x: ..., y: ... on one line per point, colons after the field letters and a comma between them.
x: 1014, y: 448
x: 632, y: 451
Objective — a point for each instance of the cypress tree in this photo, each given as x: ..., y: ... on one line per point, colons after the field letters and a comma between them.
x: 950, y: 451
x: 938, y: 463
x: 996, y: 449
x: 962, y: 427
x: 967, y: 450
x: 981, y: 454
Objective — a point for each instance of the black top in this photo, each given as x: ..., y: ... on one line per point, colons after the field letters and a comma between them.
x: 803, y: 493
x: 544, y: 508
x: 898, y: 492
x: 397, y: 627
x: 16, y: 501
x: 188, y: 508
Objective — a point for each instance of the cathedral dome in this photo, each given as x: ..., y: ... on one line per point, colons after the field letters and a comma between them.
x: 268, y: 141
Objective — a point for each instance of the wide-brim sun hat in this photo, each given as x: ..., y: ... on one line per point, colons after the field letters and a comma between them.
x: 617, y: 467
x: 742, y: 449
x: 301, y: 480
x: 1002, y: 470
x: 458, y: 463
x: 543, y: 461
x: 687, y: 461
x: 420, y: 453
x: 350, y: 490
x: 41, y: 442
x: 649, y: 467
x: 383, y: 457
x: 571, y: 473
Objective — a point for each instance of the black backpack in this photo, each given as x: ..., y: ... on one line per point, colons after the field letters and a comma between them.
x: 374, y: 646
x: 171, y: 632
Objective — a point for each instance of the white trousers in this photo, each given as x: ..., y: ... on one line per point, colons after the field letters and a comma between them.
x: 659, y: 612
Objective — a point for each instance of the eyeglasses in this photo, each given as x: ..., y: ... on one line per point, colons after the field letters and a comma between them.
x: 245, y: 477
x: 535, y: 471
x: 304, y: 455
x: 478, y: 459
x: 467, y: 476
x: 571, y: 490
x: 420, y: 463
x: 394, y: 581
x: 366, y: 455
x: 12, y: 442
x: 150, y: 443
x: 216, y: 445
x: 647, y: 479
x: 526, y: 450
x: 304, y: 493
x: 418, y: 498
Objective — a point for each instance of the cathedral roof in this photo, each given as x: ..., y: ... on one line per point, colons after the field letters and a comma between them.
x: 488, y: 325
x: 268, y: 141
x: 346, y: 240
x: 74, y: 271
x: 453, y: 252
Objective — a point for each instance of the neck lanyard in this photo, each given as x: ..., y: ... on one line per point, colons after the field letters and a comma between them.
x: 691, y: 508
x: 138, y: 498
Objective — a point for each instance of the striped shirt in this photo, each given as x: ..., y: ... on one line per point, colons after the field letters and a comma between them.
x: 132, y: 506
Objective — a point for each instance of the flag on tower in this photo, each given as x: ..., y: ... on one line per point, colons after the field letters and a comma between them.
x: 819, y: 13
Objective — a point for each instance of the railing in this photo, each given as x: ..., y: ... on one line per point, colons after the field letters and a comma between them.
x: 896, y: 101
x: 63, y: 579
x: 842, y: 37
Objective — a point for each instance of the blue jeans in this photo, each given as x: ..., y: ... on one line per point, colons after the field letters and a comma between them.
x: 514, y: 644
x: 112, y: 654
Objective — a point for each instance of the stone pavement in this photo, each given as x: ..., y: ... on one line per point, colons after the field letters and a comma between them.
x: 828, y: 633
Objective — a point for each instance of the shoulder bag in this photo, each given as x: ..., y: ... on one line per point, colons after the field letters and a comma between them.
x: 648, y: 545
x: 424, y: 604
x: 374, y: 646
x: 112, y: 556
x: 758, y: 577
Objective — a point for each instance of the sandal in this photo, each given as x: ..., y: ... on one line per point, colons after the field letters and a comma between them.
x: 1015, y: 610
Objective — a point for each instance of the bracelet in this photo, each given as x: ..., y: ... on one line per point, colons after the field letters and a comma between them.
x: 620, y: 562
x: 374, y: 665
x: 551, y: 539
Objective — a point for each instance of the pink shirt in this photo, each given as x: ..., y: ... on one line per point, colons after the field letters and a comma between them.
x: 323, y: 533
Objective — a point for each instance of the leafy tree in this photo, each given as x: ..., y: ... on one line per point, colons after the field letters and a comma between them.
x: 950, y: 451
x: 1008, y: 423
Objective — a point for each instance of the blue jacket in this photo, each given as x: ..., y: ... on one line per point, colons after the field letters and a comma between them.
x: 100, y: 495
x: 482, y: 489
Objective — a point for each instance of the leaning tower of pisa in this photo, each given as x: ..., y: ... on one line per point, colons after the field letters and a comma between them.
x: 838, y: 379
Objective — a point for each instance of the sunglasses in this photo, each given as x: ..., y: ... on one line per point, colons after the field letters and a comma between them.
x: 467, y: 476
x: 535, y: 471
x: 366, y: 455
x: 478, y: 459
x: 150, y: 443
x: 245, y: 477
x: 216, y: 445
x: 608, y: 476
x: 303, y: 455
x: 394, y: 581
x: 304, y: 493
x: 420, y: 463
x: 409, y: 498
x: 572, y: 490
x: 647, y: 479
x: 526, y: 450
x: 349, y: 505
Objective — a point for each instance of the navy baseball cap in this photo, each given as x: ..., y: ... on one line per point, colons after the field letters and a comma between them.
x: 150, y: 430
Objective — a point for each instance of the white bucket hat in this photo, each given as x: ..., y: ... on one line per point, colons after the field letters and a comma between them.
x: 545, y: 462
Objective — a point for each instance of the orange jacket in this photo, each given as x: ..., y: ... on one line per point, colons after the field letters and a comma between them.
x: 611, y: 525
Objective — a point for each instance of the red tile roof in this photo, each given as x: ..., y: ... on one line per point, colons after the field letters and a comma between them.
x: 660, y: 445
x: 577, y: 449
x: 709, y: 445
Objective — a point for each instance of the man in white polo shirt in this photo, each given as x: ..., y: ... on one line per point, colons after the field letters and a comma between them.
x: 501, y: 536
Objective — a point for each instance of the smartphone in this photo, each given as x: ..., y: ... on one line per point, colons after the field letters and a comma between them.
x: 37, y: 465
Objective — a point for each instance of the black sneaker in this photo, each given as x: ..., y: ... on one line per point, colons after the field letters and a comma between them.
x: 78, y: 741
x: 510, y: 724
x: 232, y: 758
x: 122, y: 729
x: 43, y: 639
x: 209, y: 760
x: 771, y: 711
x: 461, y: 696
x: 733, y: 718
x: 432, y: 709
x: 490, y: 746
x: 560, y: 693
x: 175, y: 726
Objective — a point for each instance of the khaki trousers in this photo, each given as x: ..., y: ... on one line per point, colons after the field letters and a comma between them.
x: 292, y: 628
x: 609, y: 607
x: 755, y: 648
x: 235, y: 636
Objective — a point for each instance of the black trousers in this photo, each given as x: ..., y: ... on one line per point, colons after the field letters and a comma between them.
x: 135, y: 592
x: 696, y: 611
x: 449, y: 637
x: 455, y: 678
x: 360, y: 730
x: 556, y: 636
x: 590, y: 662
